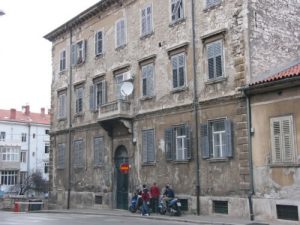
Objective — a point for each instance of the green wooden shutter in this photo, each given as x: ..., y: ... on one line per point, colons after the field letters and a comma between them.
x: 169, y: 143
x: 229, y: 138
x: 205, y: 150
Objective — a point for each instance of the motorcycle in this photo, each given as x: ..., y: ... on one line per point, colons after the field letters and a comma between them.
x: 135, y: 203
x: 173, y: 207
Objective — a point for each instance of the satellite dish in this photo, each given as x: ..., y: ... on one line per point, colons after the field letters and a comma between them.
x: 126, y: 89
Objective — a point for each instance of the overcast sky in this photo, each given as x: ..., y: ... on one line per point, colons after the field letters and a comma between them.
x: 25, y: 56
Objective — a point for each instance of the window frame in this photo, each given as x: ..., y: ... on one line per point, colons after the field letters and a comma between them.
x: 2, y: 135
x: 61, y: 149
x: 178, y: 87
x: 10, y: 177
x: 148, y: 21
x: 46, y: 167
x: 78, y: 153
x: 147, y: 148
x: 24, y: 137
x: 207, y: 58
x: 118, y: 35
x: 292, y: 135
x: 62, y: 105
x: 62, y: 60
x: 97, y: 53
x: 79, y: 96
x: 23, y: 157
x: 47, y: 148
x: 150, y: 80
x: 78, y: 52
x: 175, y: 20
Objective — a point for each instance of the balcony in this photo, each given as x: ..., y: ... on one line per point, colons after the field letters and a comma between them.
x: 120, y: 109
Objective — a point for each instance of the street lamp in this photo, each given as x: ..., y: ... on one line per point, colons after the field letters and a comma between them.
x: 2, y: 12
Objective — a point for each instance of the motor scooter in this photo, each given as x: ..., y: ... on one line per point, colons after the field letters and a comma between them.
x: 135, y: 203
x: 173, y: 207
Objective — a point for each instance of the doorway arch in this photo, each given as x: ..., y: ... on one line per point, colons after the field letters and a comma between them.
x: 121, y: 156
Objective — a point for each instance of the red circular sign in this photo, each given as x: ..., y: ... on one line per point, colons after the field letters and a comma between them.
x: 124, y: 167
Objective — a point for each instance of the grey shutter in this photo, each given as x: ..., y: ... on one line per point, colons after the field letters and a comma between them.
x: 144, y: 144
x: 204, y: 141
x: 96, y: 151
x: 287, y: 137
x: 73, y: 54
x: 218, y: 49
x: 175, y: 71
x: 188, y: 142
x: 210, y: 61
x: 276, y: 141
x: 173, y: 10
x: 169, y: 143
x: 144, y: 80
x: 229, y: 138
x: 84, y: 47
x: 144, y: 21
x: 181, y: 65
x: 150, y: 146
x: 151, y: 80
x: 92, y: 98
x: 104, y: 94
x: 149, y: 19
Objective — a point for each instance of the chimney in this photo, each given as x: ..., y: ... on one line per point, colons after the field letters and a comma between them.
x: 42, y: 111
x: 13, y: 114
x: 27, y: 110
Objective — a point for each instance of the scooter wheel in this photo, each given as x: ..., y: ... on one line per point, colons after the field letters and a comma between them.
x: 131, y: 209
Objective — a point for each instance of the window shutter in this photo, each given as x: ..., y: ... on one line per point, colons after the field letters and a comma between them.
x: 218, y: 58
x: 204, y: 141
x: 92, y: 98
x: 169, y: 143
x: 287, y: 136
x: 104, y: 90
x: 150, y: 146
x: 181, y: 62
x: 144, y: 21
x: 144, y: 143
x: 229, y: 138
x: 73, y: 54
x: 175, y: 71
x: 149, y: 19
x: 275, y: 126
x: 211, y: 61
x: 188, y: 142
x: 144, y: 80
x: 150, y: 88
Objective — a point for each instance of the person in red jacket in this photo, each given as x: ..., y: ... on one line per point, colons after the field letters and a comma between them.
x: 155, y: 194
x: 145, y: 198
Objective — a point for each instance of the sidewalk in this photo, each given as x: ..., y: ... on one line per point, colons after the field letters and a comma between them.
x: 207, y: 220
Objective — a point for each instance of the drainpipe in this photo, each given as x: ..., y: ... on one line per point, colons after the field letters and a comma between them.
x: 195, y: 111
x: 250, y: 161
x: 70, y: 123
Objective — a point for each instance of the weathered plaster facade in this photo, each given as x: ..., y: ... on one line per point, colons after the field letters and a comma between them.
x: 226, y: 179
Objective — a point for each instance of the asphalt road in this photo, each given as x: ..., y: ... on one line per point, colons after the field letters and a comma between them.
x: 11, y: 218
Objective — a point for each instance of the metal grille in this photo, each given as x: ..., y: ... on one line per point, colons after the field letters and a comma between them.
x: 98, y: 200
x: 287, y: 212
x: 220, y: 207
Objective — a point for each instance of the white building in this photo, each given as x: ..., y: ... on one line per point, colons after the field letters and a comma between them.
x: 24, y: 145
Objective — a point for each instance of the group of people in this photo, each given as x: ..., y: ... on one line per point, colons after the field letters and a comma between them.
x: 152, y: 196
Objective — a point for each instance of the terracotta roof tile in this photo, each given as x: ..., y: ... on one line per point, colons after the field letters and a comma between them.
x: 5, y: 115
x: 292, y: 71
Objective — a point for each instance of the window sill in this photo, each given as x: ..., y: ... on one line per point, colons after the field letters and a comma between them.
x: 176, y: 22
x: 99, y: 56
x: 217, y: 160
x: 120, y: 47
x: 185, y: 161
x: 146, y: 98
x: 78, y: 65
x: 149, y: 164
x: 216, y: 80
x: 145, y: 36
x: 284, y: 165
x: 212, y: 7
x: 179, y: 89
x: 81, y: 114
x: 98, y: 166
x: 62, y: 119
x: 62, y: 72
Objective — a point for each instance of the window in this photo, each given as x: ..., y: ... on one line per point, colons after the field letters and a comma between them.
x: 24, y: 135
x: 210, y: 3
x: 62, y: 106
x: 119, y: 81
x: 178, y: 70
x: 62, y: 61
x: 9, y: 177
x: 148, y: 145
x: 61, y: 156
x: 23, y: 157
x: 47, y: 132
x: 46, y: 167
x: 79, y: 99
x: 47, y: 148
x: 78, y: 153
x: 23, y: 177
x: 98, y: 151
x: 216, y: 139
x: 215, y: 59
x: 2, y: 136
x: 282, y: 135
x: 148, y: 80
x: 97, y: 94
x: 146, y: 20
x: 177, y: 10
x: 120, y: 33
x: 9, y: 153
x: 99, y: 43
x: 78, y: 53
x: 178, y: 143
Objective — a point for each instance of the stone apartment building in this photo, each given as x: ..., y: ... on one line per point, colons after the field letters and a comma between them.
x: 156, y: 86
